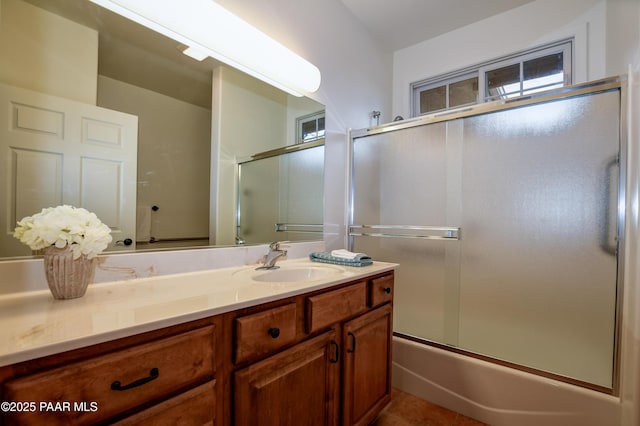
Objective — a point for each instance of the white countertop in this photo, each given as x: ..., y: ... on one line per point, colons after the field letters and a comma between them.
x: 35, y: 325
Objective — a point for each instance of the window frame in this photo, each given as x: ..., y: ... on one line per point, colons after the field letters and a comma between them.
x: 454, y: 78
x: 566, y: 46
x: 301, y: 121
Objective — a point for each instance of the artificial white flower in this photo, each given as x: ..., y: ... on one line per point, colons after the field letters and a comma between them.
x: 65, y: 225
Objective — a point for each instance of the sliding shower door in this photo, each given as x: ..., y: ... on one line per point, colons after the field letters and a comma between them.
x: 505, y: 224
x: 539, y: 217
x: 402, y: 187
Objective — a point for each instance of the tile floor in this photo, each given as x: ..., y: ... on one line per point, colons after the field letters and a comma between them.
x: 408, y: 410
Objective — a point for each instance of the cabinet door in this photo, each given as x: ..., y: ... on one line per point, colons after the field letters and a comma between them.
x: 367, y: 366
x: 296, y: 387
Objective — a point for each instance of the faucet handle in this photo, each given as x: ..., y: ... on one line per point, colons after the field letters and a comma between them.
x: 276, y: 245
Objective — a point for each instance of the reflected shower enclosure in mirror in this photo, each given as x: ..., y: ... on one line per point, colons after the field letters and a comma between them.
x: 194, y: 120
x: 280, y: 195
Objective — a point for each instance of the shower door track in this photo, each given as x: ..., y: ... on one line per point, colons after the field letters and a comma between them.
x: 508, y: 364
x: 603, y: 85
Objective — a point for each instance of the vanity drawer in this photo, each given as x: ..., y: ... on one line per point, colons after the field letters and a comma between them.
x: 380, y: 290
x: 264, y: 332
x: 334, y: 306
x: 119, y: 381
x: 194, y: 407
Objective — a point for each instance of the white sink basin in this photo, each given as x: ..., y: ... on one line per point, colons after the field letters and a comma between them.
x: 290, y: 272
x: 295, y: 274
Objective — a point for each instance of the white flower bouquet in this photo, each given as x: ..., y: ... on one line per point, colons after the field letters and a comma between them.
x: 65, y: 225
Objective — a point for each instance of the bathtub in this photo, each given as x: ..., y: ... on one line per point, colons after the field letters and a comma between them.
x: 495, y: 394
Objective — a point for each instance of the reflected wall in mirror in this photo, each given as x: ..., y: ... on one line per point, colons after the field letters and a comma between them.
x: 280, y: 196
x: 190, y: 121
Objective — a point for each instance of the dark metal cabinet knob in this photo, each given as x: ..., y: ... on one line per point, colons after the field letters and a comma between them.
x: 274, y: 332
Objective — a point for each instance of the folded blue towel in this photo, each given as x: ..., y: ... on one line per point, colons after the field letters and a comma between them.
x: 326, y: 257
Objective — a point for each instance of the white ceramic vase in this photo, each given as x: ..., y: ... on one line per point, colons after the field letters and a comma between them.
x: 67, y: 278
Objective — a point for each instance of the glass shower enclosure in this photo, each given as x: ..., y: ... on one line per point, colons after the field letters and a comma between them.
x: 505, y: 221
x: 280, y: 195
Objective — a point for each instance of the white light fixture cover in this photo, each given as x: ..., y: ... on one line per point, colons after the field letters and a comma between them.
x: 207, y: 27
x: 195, y: 54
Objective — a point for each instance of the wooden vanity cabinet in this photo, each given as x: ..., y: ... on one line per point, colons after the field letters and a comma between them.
x: 320, y: 358
x: 335, y: 371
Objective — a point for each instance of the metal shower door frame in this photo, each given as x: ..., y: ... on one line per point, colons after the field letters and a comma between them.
x: 443, y: 232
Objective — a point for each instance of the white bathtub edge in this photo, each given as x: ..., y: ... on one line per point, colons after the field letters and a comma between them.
x: 494, y: 394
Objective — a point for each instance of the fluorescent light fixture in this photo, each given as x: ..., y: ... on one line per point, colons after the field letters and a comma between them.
x: 196, y: 54
x: 211, y: 30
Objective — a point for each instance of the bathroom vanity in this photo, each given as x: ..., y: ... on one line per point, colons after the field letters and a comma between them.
x: 253, y: 349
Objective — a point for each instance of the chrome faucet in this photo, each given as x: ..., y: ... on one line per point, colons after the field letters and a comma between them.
x: 275, y: 252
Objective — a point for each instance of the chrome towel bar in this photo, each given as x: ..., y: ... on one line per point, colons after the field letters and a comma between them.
x: 298, y: 227
x: 405, y: 231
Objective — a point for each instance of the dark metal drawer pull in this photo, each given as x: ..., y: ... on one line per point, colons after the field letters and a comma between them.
x: 337, y: 352
x: 153, y: 374
x: 274, y: 332
x: 353, y: 342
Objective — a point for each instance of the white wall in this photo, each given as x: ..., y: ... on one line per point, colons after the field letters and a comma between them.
x: 527, y: 26
x: 249, y: 116
x: 630, y: 329
x: 174, y: 136
x: 623, y: 35
x: 43, y: 52
x: 623, y: 55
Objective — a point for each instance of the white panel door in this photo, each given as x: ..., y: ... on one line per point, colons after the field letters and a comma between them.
x: 56, y: 151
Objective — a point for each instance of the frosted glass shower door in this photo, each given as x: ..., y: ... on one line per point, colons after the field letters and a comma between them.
x: 402, y: 179
x: 539, y: 220
x: 534, y: 192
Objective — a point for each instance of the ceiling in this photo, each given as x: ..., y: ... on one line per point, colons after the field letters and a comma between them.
x: 401, y: 23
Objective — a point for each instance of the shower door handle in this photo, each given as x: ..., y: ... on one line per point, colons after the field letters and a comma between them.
x: 607, y: 244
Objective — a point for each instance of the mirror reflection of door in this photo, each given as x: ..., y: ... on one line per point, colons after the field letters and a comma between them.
x: 65, y: 152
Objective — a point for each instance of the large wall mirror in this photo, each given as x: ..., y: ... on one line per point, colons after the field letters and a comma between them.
x: 79, y: 82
